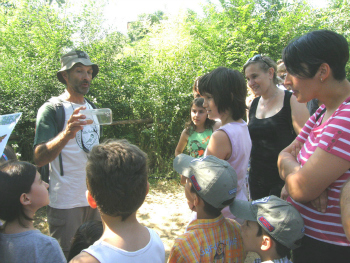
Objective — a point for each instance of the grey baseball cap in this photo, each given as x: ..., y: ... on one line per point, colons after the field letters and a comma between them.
x: 277, y: 217
x: 73, y: 57
x: 214, y: 179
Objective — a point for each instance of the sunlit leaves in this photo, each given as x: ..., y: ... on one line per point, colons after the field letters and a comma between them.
x: 150, y: 72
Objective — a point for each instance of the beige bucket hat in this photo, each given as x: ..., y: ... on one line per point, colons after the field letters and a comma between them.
x: 73, y: 57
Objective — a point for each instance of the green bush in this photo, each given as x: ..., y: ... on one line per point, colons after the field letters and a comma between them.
x: 149, y: 75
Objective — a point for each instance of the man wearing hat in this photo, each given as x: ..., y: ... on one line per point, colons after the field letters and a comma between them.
x: 66, y: 149
x: 211, y: 185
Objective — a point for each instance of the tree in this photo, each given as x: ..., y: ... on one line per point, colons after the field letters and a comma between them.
x: 31, y: 36
x: 140, y: 28
x: 150, y: 73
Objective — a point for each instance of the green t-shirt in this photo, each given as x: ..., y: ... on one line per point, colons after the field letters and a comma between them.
x: 198, y: 142
x: 46, y: 126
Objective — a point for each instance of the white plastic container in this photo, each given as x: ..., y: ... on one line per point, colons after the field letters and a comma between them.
x: 98, y: 116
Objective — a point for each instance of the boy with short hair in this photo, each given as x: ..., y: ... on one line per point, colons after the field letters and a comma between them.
x: 272, y: 228
x: 211, y: 185
x: 117, y: 183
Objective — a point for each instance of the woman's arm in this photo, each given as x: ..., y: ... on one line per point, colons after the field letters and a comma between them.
x: 320, y: 203
x: 219, y: 145
x: 345, y: 208
x: 320, y: 171
x: 287, y: 161
x: 300, y: 114
x: 182, y: 143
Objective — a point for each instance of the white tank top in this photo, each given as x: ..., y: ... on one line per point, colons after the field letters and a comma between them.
x: 153, y: 252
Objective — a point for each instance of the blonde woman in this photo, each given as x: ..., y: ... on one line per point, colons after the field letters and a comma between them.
x: 275, y: 119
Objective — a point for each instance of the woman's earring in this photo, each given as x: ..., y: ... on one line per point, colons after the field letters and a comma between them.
x: 321, y: 80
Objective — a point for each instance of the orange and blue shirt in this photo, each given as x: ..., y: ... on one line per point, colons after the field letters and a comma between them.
x: 209, y: 240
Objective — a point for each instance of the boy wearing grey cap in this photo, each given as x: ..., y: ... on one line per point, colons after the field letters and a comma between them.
x: 211, y: 185
x: 271, y: 229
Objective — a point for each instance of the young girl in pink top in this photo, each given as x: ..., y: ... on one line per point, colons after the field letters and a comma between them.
x: 224, y: 91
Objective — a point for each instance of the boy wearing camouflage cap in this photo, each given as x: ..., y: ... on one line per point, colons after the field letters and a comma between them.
x: 271, y: 229
x: 211, y: 185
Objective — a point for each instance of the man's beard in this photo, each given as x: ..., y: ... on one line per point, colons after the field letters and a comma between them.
x: 78, y: 89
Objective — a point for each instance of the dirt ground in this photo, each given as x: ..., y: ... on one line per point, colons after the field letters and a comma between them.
x: 165, y: 210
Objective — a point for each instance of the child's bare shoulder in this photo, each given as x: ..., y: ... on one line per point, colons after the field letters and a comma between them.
x: 220, y: 135
x: 84, y: 257
x: 185, y: 133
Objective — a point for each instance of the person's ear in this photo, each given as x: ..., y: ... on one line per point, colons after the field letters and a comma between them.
x: 196, y: 199
x: 64, y: 75
x: 91, y: 200
x: 271, y: 72
x: 25, y: 199
x: 324, y: 72
x: 266, y: 243
x: 183, y: 180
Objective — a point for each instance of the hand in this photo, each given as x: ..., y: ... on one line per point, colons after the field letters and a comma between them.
x: 296, y: 149
x: 320, y: 203
x: 284, y: 193
x: 75, y: 123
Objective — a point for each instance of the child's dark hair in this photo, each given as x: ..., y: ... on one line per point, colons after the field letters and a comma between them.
x: 116, y: 176
x: 189, y: 126
x: 85, y: 236
x: 228, y: 88
x: 16, y: 178
x: 208, y: 208
x: 303, y: 56
x: 281, y: 250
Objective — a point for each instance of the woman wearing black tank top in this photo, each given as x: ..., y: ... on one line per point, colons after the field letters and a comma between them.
x: 275, y: 118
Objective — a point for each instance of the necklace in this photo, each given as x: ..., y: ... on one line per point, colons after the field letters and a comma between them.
x: 269, y: 100
x: 68, y: 97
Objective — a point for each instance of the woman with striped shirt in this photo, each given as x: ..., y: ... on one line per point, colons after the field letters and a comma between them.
x: 316, y: 164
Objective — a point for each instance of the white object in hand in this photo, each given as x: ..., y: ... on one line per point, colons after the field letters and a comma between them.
x: 98, y: 116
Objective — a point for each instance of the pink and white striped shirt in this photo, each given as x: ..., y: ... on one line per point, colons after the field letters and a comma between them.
x: 333, y: 136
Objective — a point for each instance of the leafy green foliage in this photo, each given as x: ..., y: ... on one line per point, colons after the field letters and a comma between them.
x: 31, y: 37
x: 140, y: 28
x: 150, y: 72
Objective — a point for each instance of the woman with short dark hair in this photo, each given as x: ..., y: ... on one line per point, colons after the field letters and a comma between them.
x: 316, y: 164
